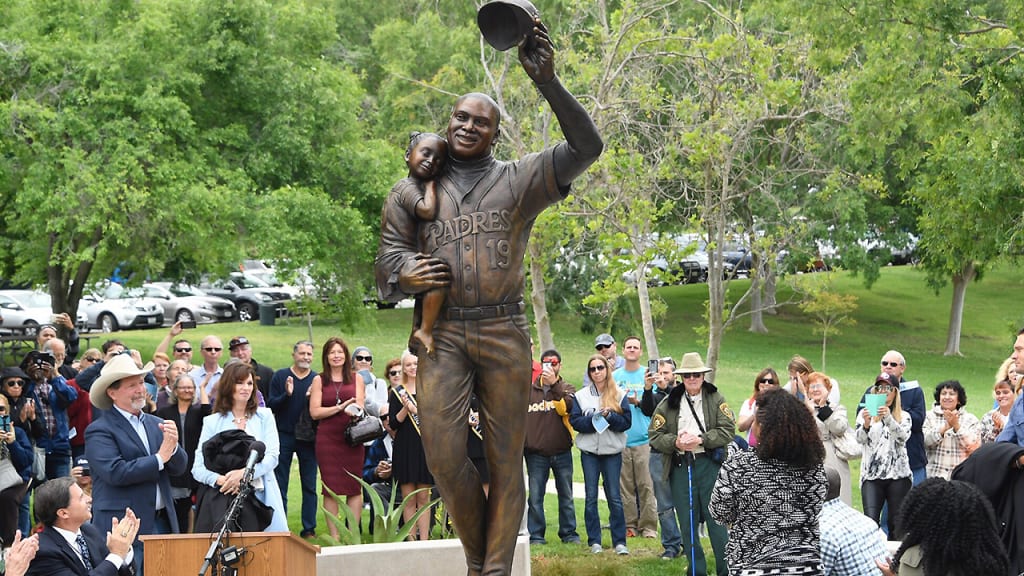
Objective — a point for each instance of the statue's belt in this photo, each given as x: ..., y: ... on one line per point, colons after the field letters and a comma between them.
x: 484, y: 312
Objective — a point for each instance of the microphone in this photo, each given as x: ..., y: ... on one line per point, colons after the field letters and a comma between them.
x: 256, y: 451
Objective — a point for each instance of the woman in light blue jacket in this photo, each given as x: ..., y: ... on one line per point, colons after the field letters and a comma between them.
x: 601, y: 417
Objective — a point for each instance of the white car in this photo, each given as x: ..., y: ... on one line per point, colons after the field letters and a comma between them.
x: 112, y: 308
x: 183, y: 303
x: 28, y: 309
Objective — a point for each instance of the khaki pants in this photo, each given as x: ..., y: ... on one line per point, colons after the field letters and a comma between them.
x: 637, y: 490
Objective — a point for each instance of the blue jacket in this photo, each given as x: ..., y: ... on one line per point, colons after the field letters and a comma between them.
x: 1013, y: 431
x: 21, y: 453
x: 61, y: 396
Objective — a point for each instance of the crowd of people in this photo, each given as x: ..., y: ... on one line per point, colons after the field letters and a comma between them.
x: 770, y: 488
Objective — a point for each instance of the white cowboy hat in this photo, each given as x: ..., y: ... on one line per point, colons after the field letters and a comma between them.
x: 118, y: 367
x: 691, y: 363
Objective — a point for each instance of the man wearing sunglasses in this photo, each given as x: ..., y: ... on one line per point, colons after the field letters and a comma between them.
x: 605, y: 346
x: 241, y: 348
x: 289, y: 400
x: 549, y: 449
x: 208, y: 374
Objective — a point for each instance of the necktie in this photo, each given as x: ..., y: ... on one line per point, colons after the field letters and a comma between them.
x: 84, y: 549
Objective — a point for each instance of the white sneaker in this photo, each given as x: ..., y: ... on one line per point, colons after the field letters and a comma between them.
x: 596, y: 549
x: 621, y: 550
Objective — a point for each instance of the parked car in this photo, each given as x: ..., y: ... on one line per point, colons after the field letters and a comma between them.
x: 109, y: 308
x: 690, y: 259
x: 26, y: 310
x: 247, y: 293
x: 182, y: 303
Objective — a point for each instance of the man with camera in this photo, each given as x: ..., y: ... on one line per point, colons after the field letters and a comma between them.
x: 549, y: 449
x: 51, y: 396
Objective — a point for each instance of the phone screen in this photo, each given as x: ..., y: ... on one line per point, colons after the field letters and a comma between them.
x: 186, y: 324
x: 652, y: 366
x: 5, y: 423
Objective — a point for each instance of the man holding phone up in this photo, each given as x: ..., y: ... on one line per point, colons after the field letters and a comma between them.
x: 549, y: 449
x: 638, y: 500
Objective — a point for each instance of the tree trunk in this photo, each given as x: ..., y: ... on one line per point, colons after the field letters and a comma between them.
x: 824, y: 347
x: 956, y: 309
x: 770, y: 285
x: 538, y: 296
x: 756, y: 307
x: 644, y: 294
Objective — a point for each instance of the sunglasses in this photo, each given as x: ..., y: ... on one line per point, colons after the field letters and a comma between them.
x: 18, y: 383
x: 183, y: 350
x: 363, y: 358
x: 598, y: 368
x: 890, y: 364
x: 212, y: 349
x: 602, y: 347
x: 767, y: 381
x: 89, y: 359
x: 693, y: 375
x: 394, y: 372
x: 553, y: 362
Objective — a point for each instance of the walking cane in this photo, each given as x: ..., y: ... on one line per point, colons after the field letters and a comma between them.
x: 693, y: 528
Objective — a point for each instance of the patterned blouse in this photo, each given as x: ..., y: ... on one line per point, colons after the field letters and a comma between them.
x: 885, y: 449
x: 771, y: 510
x: 947, y: 450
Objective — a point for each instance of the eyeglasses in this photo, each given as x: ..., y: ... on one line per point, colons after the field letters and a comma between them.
x: 693, y: 375
x: 394, y: 372
x: 363, y: 358
x: 13, y: 383
x: 552, y: 361
x: 602, y: 347
x: 598, y: 368
x: 183, y: 350
x: 90, y: 359
x: 890, y: 364
x: 767, y: 381
x: 212, y: 349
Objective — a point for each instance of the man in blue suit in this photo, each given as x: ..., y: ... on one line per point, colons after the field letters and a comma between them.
x: 69, y: 545
x: 132, y: 454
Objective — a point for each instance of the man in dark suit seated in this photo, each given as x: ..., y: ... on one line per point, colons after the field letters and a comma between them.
x: 69, y: 544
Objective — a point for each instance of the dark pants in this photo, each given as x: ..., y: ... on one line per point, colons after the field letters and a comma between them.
x: 490, y: 358
x: 875, y: 493
x: 704, y: 473
x: 10, y: 506
x: 306, y: 452
x: 538, y: 467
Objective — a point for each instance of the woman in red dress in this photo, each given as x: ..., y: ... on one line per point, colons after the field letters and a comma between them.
x: 336, y: 394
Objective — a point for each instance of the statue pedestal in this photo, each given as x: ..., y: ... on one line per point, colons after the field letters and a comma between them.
x: 436, y: 557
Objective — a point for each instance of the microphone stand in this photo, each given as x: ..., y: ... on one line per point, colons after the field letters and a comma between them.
x: 245, y: 488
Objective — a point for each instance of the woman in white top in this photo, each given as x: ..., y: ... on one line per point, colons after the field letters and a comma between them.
x: 950, y: 432
x: 766, y: 379
x: 236, y: 408
x: 885, y: 476
x: 832, y: 424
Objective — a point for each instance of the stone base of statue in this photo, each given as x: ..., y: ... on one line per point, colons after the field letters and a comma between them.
x: 434, y: 557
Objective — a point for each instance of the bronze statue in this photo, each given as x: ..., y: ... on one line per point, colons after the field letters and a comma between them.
x: 474, y: 250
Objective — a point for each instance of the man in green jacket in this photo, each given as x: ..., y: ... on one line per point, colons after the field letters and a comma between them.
x: 691, y: 429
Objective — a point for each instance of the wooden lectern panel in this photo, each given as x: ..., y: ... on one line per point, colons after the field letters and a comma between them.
x: 269, y: 553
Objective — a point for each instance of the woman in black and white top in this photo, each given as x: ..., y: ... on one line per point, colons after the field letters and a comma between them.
x: 771, y: 496
x: 885, y: 476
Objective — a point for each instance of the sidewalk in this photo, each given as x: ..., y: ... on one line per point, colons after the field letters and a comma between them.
x: 578, y: 490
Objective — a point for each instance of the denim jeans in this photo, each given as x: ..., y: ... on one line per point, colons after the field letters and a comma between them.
x: 537, y: 467
x: 671, y: 540
x: 607, y: 468
x: 306, y: 452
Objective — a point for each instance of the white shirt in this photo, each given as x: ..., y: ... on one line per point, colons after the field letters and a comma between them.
x: 114, y: 559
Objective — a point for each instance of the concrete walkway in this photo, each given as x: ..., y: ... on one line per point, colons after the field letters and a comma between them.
x: 578, y: 490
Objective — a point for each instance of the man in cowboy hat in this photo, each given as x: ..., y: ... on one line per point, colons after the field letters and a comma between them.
x: 690, y: 431
x: 132, y: 454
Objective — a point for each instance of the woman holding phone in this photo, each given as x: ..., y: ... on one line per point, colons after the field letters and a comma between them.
x: 885, y: 476
x: 601, y: 415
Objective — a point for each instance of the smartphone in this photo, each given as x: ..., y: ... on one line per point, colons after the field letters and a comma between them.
x: 5, y: 422
x: 186, y: 324
x: 86, y: 471
x: 546, y: 365
x: 652, y: 366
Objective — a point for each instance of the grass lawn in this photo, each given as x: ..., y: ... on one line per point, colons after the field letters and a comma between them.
x: 899, y: 312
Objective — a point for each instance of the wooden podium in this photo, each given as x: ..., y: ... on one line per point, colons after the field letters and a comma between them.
x: 269, y: 553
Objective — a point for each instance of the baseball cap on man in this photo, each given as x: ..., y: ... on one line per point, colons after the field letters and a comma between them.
x: 604, y: 340
x: 237, y: 341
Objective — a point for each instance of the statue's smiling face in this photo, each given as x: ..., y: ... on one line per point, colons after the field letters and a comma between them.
x: 472, y: 128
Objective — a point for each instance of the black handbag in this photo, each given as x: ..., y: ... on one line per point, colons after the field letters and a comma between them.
x: 363, y: 428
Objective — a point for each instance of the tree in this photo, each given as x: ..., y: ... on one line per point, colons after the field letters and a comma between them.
x: 829, y: 308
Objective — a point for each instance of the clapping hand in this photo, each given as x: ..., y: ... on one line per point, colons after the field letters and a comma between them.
x: 122, y: 533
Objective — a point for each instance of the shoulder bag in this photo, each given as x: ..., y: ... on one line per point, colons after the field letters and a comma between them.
x: 363, y: 428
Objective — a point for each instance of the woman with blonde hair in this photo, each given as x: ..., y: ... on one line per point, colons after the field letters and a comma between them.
x: 885, y: 476
x: 409, y: 466
x: 601, y: 417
